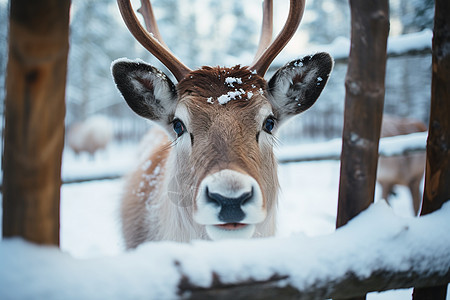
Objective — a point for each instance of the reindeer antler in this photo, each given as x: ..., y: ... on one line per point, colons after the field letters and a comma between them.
x: 266, y: 53
x: 263, y: 61
x: 266, y: 28
x: 150, y: 21
x: 153, y: 41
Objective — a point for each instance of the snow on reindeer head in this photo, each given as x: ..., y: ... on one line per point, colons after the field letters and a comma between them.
x: 220, y: 170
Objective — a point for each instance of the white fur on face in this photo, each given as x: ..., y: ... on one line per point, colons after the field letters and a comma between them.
x: 184, y: 142
x: 265, y: 139
x: 229, y: 184
x: 263, y: 113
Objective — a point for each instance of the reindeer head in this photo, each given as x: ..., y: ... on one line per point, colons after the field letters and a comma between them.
x: 222, y: 122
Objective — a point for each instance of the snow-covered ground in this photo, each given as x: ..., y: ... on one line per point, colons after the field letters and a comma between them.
x: 308, y: 203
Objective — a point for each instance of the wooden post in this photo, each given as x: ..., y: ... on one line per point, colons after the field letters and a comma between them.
x: 34, y: 119
x: 364, y: 102
x: 437, y: 171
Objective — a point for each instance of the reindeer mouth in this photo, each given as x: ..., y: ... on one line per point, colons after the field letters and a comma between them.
x: 231, y: 226
x: 230, y: 231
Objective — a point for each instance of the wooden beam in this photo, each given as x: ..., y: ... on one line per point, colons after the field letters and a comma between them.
x: 343, y: 288
x: 34, y: 119
x: 437, y: 170
x: 364, y: 102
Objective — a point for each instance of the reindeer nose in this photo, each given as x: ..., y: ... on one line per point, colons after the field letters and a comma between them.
x: 230, y: 208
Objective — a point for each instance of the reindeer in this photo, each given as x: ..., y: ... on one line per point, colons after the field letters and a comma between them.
x: 90, y: 135
x: 406, y: 169
x: 215, y: 175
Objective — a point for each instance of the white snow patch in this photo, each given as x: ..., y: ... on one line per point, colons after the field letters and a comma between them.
x: 397, y: 144
x: 231, y: 80
x: 409, y: 42
x: 298, y: 64
x: 224, y: 99
x: 389, y: 146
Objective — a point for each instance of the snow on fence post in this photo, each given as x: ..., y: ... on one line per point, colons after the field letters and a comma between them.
x: 364, y: 100
x: 34, y: 119
x: 437, y: 171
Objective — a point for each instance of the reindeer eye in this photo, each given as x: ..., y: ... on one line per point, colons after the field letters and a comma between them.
x: 178, y: 127
x: 269, y: 124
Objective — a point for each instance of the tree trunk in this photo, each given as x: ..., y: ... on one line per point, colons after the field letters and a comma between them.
x: 34, y: 119
x: 364, y: 102
x: 437, y: 171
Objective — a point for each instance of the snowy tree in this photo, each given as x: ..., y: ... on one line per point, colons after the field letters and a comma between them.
x: 206, y: 32
x: 97, y: 38
x: 416, y: 15
x: 326, y: 20
x: 244, y: 28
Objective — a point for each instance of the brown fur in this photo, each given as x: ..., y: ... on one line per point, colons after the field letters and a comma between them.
x: 224, y: 143
x: 136, y: 229
x: 224, y: 137
x: 220, y: 143
x: 406, y: 170
x: 210, y: 82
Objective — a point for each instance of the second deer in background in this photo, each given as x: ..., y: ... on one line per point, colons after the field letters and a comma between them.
x: 406, y: 170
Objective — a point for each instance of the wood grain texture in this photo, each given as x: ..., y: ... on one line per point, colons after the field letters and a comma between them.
x: 437, y: 171
x: 34, y: 119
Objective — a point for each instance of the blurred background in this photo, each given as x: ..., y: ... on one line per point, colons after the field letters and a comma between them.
x: 208, y: 32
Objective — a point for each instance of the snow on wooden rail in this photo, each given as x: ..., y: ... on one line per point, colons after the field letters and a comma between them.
x: 375, y: 251
x: 331, y: 150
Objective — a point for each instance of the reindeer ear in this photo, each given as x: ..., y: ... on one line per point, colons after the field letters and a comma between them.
x: 296, y: 86
x: 147, y: 90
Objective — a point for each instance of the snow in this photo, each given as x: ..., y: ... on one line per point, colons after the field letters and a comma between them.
x: 110, y: 162
x: 413, y: 41
x: 231, y: 80
x: 332, y: 149
x: 328, y: 150
x: 93, y: 264
x: 90, y: 225
x: 398, y: 144
x: 151, y: 272
x: 36, y: 272
x: 224, y: 99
